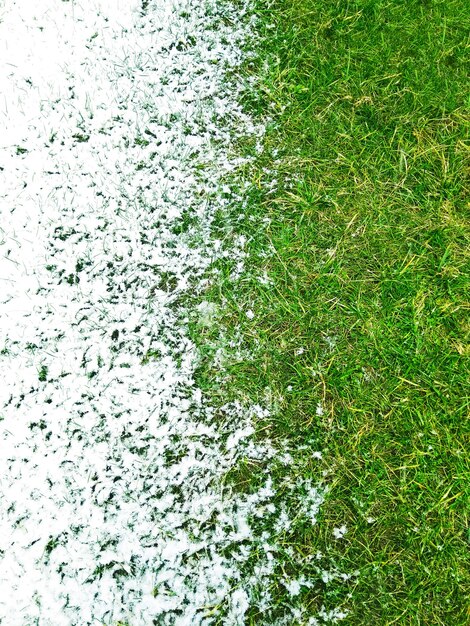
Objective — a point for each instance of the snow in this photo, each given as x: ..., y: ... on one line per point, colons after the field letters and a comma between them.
x: 108, y: 455
x: 339, y: 533
x: 116, y: 122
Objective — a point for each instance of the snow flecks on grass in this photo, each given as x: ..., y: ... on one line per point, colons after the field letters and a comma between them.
x: 115, y: 125
x: 339, y: 533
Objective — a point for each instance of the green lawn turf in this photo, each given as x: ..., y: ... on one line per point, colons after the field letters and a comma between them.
x: 369, y: 229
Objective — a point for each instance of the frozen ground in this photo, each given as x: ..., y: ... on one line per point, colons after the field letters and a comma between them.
x: 114, y: 129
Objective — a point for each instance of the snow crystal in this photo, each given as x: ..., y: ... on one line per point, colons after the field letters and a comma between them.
x: 338, y: 533
x: 293, y: 587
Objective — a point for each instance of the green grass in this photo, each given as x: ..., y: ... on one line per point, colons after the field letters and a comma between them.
x: 370, y: 232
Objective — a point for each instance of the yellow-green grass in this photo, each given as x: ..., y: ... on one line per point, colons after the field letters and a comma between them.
x: 367, y: 312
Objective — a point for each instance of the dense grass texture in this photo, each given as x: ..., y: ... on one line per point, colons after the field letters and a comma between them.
x: 362, y: 335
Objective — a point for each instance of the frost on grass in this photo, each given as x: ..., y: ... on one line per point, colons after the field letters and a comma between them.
x: 115, y: 125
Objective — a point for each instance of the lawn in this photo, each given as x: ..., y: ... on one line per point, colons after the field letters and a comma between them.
x: 357, y: 214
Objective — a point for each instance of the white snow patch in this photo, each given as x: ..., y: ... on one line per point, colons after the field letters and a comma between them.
x: 293, y: 587
x: 109, y: 459
x: 115, y: 125
x: 339, y: 533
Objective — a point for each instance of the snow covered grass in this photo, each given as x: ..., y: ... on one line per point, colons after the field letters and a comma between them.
x: 356, y: 227
x: 231, y: 338
x: 117, y: 132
